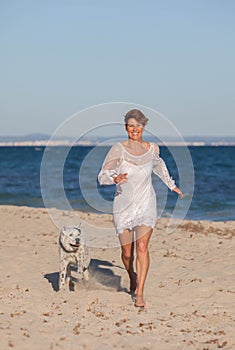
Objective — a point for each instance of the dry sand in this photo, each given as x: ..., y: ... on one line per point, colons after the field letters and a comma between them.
x: 189, y: 291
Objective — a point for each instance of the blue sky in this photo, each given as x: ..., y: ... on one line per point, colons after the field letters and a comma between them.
x: 61, y: 56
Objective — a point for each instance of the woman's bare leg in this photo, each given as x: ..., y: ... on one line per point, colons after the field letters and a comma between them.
x: 143, y: 234
x: 127, y: 246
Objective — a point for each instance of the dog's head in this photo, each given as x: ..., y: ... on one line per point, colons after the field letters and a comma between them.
x: 70, y: 238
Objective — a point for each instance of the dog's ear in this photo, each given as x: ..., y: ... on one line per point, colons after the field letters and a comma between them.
x: 67, y: 230
x: 62, y: 235
x: 62, y: 231
x: 80, y: 225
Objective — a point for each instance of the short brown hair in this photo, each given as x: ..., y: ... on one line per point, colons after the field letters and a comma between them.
x: 137, y: 115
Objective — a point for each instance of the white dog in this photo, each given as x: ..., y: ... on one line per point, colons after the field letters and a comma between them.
x: 72, y: 252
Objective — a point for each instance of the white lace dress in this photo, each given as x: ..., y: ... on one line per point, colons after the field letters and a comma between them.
x: 135, y: 201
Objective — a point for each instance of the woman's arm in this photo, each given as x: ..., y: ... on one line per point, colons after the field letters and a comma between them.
x: 178, y: 191
x: 109, y: 170
x: 160, y: 169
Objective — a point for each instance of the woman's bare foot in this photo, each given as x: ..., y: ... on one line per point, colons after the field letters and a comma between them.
x: 139, y: 301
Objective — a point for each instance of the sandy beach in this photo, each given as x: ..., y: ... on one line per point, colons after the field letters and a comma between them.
x: 190, y: 290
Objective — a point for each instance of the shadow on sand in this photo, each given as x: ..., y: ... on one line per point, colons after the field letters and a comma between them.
x: 100, y: 271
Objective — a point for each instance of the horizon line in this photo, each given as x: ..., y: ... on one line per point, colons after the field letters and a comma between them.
x: 39, y: 134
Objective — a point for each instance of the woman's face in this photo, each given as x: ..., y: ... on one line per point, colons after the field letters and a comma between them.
x: 134, y: 129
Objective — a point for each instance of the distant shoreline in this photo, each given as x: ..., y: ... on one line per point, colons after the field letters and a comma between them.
x: 43, y: 143
x: 43, y: 140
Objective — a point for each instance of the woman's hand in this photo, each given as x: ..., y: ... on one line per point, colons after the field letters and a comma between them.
x: 121, y: 178
x: 177, y: 190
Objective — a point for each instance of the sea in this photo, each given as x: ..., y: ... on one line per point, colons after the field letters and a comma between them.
x: 62, y: 177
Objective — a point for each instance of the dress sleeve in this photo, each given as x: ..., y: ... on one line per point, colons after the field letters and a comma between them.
x: 160, y: 169
x: 110, y: 165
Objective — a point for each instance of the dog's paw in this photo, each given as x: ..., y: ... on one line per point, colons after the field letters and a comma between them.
x: 62, y: 288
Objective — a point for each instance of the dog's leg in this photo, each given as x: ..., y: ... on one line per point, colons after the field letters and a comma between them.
x: 83, y: 266
x: 69, y: 280
x: 63, y: 273
x: 69, y: 275
x: 79, y: 270
x: 86, y: 274
x: 86, y: 264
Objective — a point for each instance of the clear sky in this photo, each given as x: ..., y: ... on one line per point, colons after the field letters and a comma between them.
x: 61, y: 56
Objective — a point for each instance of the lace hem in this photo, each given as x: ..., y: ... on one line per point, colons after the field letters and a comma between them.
x: 131, y: 224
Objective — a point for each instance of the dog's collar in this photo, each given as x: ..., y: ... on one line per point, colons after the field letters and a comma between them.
x: 67, y: 251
